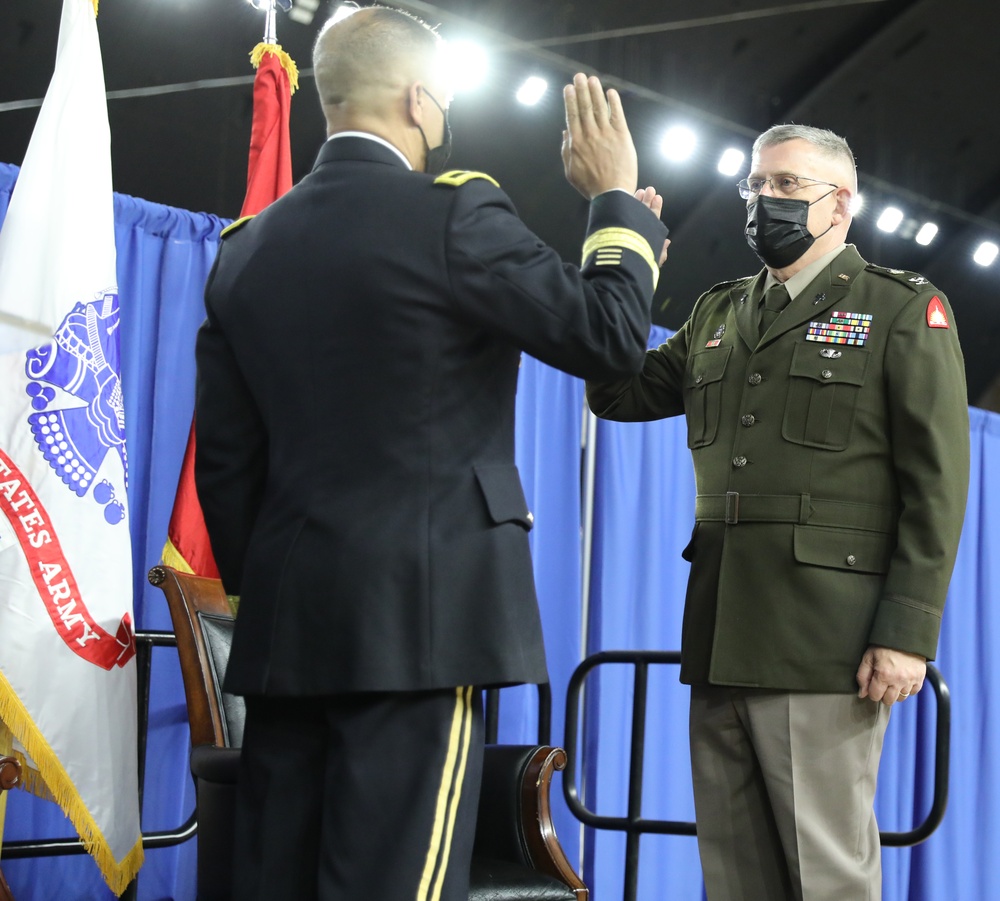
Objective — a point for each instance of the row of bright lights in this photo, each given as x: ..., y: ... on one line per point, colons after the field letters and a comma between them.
x: 678, y: 145
x: 468, y: 63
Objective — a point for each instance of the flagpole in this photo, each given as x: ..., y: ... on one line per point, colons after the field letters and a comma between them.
x: 271, y: 22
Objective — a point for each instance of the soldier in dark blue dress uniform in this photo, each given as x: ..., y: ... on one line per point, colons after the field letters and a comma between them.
x: 355, y: 461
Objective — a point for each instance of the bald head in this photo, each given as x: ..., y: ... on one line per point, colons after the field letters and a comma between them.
x: 363, y: 63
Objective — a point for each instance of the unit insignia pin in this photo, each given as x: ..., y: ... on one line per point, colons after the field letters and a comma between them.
x: 819, y: 298
x: 920, y: 280
x: 717, y: 337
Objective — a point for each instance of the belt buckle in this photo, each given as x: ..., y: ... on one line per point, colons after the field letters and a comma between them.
x: 732, y: 507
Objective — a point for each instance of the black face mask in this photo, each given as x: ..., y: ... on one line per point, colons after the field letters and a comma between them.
x: 777, y: 229
x: 437, y: 157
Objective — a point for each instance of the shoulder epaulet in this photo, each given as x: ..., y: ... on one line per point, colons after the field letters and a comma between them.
x: 912, y: 280
x: 458, y: 177
x: 742, y: 280
x: 239, y: 223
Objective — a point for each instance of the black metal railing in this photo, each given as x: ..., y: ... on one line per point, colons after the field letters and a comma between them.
x: 635, y: 825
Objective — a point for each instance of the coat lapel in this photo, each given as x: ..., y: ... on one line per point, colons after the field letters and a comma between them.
x: 744, y: 298
x: 826, y: 291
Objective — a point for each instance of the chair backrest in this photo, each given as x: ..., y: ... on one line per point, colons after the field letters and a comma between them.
x: 203, y: 623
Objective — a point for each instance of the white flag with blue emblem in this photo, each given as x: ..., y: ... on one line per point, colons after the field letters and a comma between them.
x: 67, y: 646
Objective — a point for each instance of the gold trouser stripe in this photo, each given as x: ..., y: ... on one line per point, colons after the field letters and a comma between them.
x: 622, y: 239
x: 449, y: 796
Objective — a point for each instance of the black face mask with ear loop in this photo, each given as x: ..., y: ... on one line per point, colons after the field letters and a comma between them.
x: 777, y: 229
x: 437, y: 157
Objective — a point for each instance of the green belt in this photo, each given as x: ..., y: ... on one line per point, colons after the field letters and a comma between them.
x: 733, y: 507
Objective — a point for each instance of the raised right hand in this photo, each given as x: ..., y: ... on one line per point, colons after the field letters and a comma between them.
x: 597, y: 150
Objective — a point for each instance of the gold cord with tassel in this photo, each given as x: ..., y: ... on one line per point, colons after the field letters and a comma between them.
x: 287, y: 63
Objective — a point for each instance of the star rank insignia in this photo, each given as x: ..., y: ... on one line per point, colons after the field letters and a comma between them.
x: 936, y: 316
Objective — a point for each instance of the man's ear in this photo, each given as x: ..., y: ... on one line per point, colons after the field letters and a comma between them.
x: 415, y: 103
x: 843, y: 208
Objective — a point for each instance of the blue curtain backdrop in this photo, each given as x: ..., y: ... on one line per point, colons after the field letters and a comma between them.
x: 644, y: 496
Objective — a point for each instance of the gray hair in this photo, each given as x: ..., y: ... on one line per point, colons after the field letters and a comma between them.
x: 827, y: 142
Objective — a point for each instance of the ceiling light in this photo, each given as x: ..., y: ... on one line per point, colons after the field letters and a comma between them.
x: 857, y: 204
x: 532, y: 90
x: 926, y: 234
x: 986, y: 253
x: 468, y: 64
x: 304, y: 10
x: 678, y: 143
x: 890, y: 219
x: 731, y: 161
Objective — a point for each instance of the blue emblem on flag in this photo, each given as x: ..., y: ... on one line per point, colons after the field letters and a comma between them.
x: 75, y: 387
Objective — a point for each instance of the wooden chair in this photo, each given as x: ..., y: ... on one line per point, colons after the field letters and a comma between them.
x: 517, y: 856
x: 10, y: 776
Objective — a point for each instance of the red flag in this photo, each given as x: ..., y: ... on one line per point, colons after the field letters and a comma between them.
x: 269, y: 175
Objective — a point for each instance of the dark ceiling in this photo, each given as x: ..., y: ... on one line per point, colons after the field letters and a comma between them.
x: 910, y: 83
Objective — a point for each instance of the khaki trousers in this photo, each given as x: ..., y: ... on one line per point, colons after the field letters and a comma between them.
x: 784, y: 785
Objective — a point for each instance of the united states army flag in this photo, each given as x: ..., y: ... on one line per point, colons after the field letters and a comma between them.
x: 67, y: 647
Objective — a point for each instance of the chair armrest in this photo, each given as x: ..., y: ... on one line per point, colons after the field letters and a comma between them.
x: 212, y: 764
x: 515, y: 814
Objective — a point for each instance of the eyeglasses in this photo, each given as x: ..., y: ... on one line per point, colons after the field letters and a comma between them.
x: 783, y: 185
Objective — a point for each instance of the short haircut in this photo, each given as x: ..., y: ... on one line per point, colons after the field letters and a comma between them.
x: 827, y: 142
x: 371, y: 48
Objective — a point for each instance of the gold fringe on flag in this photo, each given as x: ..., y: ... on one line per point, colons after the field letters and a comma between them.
x: 287, y: 63
x: 59, y: 787
x: 96, y: 3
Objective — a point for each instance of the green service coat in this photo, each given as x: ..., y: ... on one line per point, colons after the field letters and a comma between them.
x: 831, y: 477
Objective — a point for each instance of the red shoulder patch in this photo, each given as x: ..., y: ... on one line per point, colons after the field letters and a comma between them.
x: 936, y: 316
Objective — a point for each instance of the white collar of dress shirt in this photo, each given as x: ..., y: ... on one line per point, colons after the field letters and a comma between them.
x: 371, y: 137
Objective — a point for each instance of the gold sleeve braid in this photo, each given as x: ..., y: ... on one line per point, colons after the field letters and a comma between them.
x: 609, y: 243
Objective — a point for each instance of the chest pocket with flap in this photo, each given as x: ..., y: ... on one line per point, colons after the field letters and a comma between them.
x: 823, y: 394
x: 703, y: 394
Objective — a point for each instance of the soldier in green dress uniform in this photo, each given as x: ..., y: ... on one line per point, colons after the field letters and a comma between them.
x: 827, y: 418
